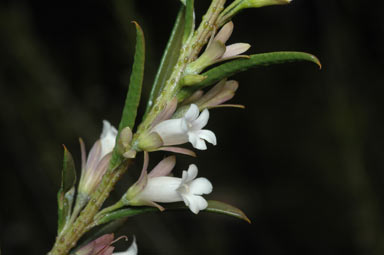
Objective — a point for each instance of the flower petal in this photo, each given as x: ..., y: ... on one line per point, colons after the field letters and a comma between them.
x: 171, y: 131
x: 161, y: 189
x: 200, y: 186
x: 235, y: 49
x: 94, y: 156
x: 207, y: 135
x: 163, y: 168
x: 201, y: 121
x: 224, y: 33
x: 195, y: 203
x: 107, y: 138
x: 178, y: 150
x: 200, y: 144
x: 192, y: 113
x: 190, y: 174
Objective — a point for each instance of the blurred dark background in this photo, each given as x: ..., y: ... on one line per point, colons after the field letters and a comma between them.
x: 304, y: 160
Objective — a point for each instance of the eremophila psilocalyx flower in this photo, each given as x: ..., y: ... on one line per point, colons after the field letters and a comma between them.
x: 158, y: 187
x: 177, y: 131
x: 95, y: 165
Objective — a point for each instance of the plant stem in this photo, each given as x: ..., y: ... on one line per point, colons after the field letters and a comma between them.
x: 68, y: 239
x: 188, y: 53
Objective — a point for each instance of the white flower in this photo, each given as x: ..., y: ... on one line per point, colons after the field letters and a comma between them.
x: 166, y: 189
x: 107, y: 138
x: 187, y: 128
x: 94, y: 167
x: 132, y: 250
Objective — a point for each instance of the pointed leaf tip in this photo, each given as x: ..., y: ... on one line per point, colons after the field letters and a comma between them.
x: 227, y: 209
x: 257, y: 60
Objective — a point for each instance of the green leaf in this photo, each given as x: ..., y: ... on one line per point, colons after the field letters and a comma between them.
x: 189, y: 20
x: 225, y: 70
x: 223, y: 208
x: 134, y: 93
x: 169, y: 59
x: 67, y: 190
x: 136, y: 81
x: 213, y: 206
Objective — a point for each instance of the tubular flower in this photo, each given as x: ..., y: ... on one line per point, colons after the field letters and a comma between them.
x: 94, y: 167
x: 103, y: 246
x: 217, y: 51
x: 157, y: 187
x: 186, y: 129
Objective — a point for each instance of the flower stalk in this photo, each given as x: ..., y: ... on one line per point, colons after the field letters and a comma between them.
x: 188, y: 53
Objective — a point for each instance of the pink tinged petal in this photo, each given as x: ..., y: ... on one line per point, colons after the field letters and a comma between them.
x: 178, y: 150
x: 200, y: 186
x: 213, y: 92
x: 143, y: 179
x: 202, y: 121
x: 235, y: 49
x: 215, y: 51
x: 97, y: 173
x: 194, y: 97
x: 163, y: 168
x: 94, y: 156
x: 192, y: 113
x: 207, y: 135
x: 106, y: 251
x: 224, y: 33
x: 83, y: 154
x: 107, y: 138
x: 96, y: 246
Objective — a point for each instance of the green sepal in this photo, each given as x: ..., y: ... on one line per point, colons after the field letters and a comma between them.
x: 213, y: 206
x: 65, y: 196
x: 169, y: 59
x: 189, y: 20
x: 225, y: 70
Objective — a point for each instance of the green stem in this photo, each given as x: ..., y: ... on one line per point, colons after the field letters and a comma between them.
x: 188, y: 53
x: 68, y: 239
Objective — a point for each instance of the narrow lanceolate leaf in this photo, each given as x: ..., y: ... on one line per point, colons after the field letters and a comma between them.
x: 189, y: 20
x: 225, y: 70
x: 213, y: 206
x: 135, y: 83
x: 169, y: 59
x: 224, y: 208
x: 67, y: 189
x: 134, y: 92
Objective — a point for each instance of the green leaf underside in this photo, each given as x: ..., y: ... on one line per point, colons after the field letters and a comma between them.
x: 225, y: 70
x: 169, y: 59
x: 189, y: 20
x: 67, y: 189
x: 134, y: 92
x: 213, y: 206
x: 135, y: 83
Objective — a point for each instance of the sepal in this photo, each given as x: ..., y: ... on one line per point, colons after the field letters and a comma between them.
x: 65, y: 196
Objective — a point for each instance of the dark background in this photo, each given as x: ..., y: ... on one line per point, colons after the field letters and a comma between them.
x: 304, y: 160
